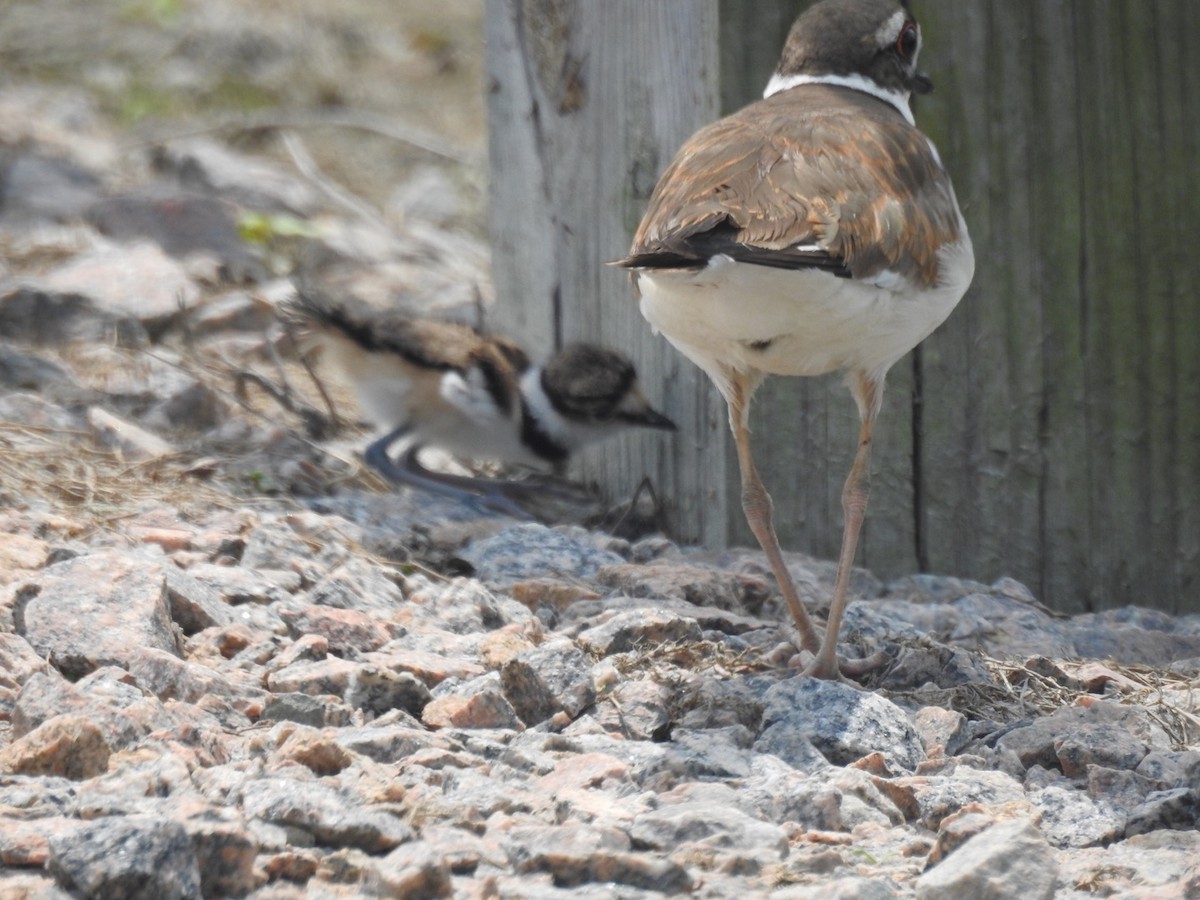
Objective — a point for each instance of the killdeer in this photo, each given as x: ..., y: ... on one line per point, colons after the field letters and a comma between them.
x: 814, y: 231
x: 445, y: 385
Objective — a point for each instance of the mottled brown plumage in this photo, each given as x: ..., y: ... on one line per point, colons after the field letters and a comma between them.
x: 825, y: 166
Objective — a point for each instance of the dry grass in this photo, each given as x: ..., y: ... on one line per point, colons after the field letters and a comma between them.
x: 63, y: 470
x: 1016, y: 691
x: 1171, y: 699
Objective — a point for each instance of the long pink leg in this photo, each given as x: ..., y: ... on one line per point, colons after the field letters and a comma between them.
x: 756, y: 504
x: 868, y: 394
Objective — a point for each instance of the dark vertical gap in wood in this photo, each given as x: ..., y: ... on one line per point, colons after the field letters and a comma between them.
x: 1088, y: 466
x: 1042, y: 413
x: 557, y: 312
x: 1170, y: 437
x: 920, y: 548
x: 1046, y: 473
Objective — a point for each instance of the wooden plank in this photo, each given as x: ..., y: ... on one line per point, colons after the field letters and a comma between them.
x: 1064, y: 521
x: 752, y: 36
x: 1153, y: 395
x: 964, y: 365
x: 1113, y: 324
x: 1172, y: 144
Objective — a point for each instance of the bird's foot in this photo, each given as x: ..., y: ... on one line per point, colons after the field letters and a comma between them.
x: 832, y: 667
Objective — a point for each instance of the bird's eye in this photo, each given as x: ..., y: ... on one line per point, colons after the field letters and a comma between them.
x: 907, y: 42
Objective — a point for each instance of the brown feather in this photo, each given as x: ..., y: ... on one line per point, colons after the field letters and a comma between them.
x: 775, y: 174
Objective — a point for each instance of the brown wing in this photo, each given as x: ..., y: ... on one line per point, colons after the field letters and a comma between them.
x: 816, y: 176
x: 426, y: 343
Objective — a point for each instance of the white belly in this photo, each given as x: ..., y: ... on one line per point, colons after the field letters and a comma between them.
x: 785, y: 322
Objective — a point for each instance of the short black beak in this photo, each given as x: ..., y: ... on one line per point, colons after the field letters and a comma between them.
x: 922, y: 83
x: 649, y: 418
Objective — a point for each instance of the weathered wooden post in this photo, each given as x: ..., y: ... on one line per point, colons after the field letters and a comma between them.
x: 586, y: 104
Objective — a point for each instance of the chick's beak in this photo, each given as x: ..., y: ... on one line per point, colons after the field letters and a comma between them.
x: 650, y: 418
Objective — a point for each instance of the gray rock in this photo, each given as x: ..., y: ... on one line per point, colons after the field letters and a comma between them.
x: 412, y: 870
x: 938, y: 797
x: 138, y: 282
x: 792, y: 745
x: 306, y: 710
x: 133, y: 857
x: 1177, y: 809
x: 41, y: 316
x: 843, y: 723
x: 206, y: 166
x: 1170, y: 768
x: 356, y: 586
x: 1104, y: 733
x: 391, y: 742
x: 39, y: 189
x: 20, y: 371
x: 334, y: 818
x: 93, y: 610
x: 945, y: 728
x: 1070, y: 818
x: 478, y: 703
x: 640, y: 630
x: 552, y: 677
x: 637, y: 710
x: 237, y: 585
x: 576, y: 854
x: 1009, y: 861
x: 182, y: 223
x: 194, y: 606
x: 841, y: 889
x: 708, y: 819
x: 528, y: 551
x: 377, y: 690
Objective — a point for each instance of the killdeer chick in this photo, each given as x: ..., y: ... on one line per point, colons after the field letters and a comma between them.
x: 814, y: 231
x: 443, y: 384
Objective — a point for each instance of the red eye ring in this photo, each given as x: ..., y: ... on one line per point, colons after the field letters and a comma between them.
x: 908, y: 41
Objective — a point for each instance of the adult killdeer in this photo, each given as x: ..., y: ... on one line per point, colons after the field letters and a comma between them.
x: 445, y: 385
x: 813, y: 231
